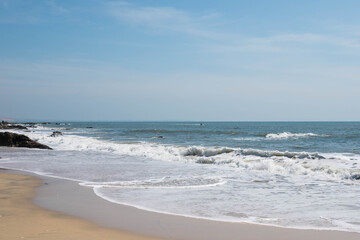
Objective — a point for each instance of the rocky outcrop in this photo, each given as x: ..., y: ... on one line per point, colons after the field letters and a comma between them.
x: 56, y: 134
x: 9, y: 139
x: 6, y: 125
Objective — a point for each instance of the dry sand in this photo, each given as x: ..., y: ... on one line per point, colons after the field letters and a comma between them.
x: 21, y: 219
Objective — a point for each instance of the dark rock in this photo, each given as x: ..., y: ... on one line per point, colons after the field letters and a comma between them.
x: 355, y: 177
x: 16, y: 127
x: 56, y: 134
x: 6, y: 125
x: 46, y: 123
x: 9, y: 139
x: 57, y: 123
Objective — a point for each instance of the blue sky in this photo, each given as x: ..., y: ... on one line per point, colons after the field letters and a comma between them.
x: 95, y: 60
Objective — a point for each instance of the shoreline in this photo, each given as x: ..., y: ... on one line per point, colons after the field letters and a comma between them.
x: 20, y: 218
x: 69, y: 198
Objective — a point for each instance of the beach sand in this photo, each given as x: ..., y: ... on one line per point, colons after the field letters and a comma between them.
x: 21, y: 219
x: 75, y: 212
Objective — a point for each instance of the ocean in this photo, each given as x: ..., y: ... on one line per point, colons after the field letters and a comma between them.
x: 291, y: 174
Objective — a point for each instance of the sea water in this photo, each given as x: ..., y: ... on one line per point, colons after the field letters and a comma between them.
x: 290, y: 174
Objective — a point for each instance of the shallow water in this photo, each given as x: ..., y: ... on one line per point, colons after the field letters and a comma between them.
x: 303, y: 175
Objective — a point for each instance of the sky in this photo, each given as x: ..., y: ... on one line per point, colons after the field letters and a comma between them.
x: 203, y: 60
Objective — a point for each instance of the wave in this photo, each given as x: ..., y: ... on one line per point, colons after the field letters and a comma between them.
x: 205, y: 152
x: 165, y: 182
x: 269, y: 154
x: 334, y: 166
x: 285, y: 135
x: 208, y: 152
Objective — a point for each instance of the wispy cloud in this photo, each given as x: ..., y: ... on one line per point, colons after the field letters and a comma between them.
x: 27, y: 12
x: 289, y: 42
x: 173, y: 20
x: 164, y: 18
x: 309, y: 38
x: 56, y: 8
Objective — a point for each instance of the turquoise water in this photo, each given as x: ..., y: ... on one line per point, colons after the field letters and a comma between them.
x: 291, y: 174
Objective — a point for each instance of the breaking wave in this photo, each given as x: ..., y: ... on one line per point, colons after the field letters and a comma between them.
x: 205, y: 152
x: 335, y: 166
x: 165, y: 182
x: 285, y: 135
x: 269, y: 154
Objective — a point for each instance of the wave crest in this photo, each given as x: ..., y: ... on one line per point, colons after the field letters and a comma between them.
x: 165, y: 182
x: 285, y: 135
x: 268, y: 161
x: 205, y: 152
x: 268, y: 154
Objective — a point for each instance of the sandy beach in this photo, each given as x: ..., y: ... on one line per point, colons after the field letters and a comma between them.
x: 74, y: 212
x: 21, y: 219
x: 179, y: 120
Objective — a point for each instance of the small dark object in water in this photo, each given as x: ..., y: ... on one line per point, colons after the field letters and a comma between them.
x: 56, y: 133
x: 201, y: 124
x: 205, y: 161
x: 160, y: 137
x: 355, y: 177
x: 89, y: 127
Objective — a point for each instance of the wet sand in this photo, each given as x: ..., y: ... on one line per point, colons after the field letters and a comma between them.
x: 21, y: 219
x: 75, y: 212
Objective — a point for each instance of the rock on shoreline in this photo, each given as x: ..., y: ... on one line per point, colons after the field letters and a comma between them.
x: 6, y: 125
x: 56, y: 134
x: 9, y: 139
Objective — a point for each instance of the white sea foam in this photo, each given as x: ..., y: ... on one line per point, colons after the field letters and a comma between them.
x: 205, y: 152
x: 238, y: 184
x: 172, y: 182
x: 334, y: 166
x: 285, y: 135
